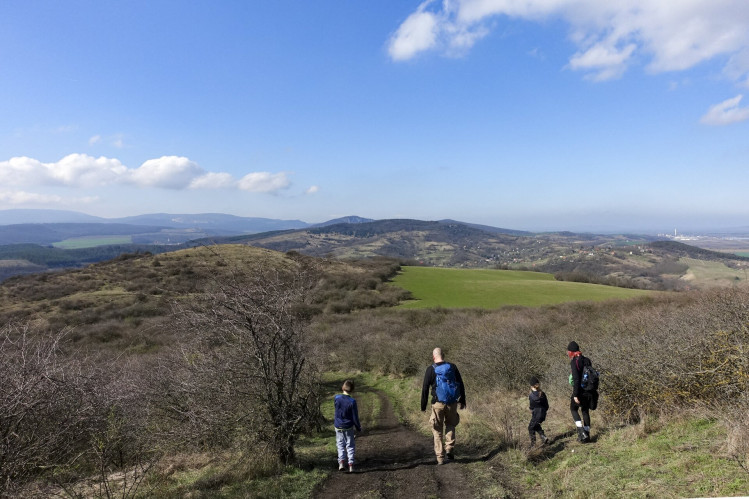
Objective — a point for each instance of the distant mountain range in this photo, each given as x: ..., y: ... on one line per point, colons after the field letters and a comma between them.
x: 625, y: 260
x: 50, y: 226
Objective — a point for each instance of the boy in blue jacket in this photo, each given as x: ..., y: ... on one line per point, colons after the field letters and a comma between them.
x: 345, y: 420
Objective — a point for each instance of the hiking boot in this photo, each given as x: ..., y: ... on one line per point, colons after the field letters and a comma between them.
x: 544, y: 439
x: 582, y: 436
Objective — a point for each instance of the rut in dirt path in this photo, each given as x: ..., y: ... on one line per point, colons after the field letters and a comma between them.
x: 393, y: 461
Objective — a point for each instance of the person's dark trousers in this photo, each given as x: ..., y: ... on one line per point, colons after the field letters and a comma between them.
x: 533, y: 427
x: 584, y: 407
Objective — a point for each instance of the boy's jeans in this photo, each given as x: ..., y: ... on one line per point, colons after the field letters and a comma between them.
x: 344, y: 440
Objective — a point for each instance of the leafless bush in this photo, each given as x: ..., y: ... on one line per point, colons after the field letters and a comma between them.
x: 40, y: 405
x: 254, y: 353
x: 63, y: 418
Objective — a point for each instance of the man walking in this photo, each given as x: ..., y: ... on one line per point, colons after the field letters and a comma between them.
x: 443, y: 381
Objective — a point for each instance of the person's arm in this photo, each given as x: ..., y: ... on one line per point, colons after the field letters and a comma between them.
x: 355, y: 414
x: 459, y: 379
x: 425, y: 387
x: 575, y: 368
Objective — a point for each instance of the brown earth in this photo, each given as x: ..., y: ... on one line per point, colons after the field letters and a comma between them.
x: 394, y: 461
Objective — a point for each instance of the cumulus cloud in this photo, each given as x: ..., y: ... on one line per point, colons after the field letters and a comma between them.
x: 264, y: 182
x: 167, y: 172
x: 670, y: 36
x: 78, y: 170
x: 312, y: 189
x: 726, y: 113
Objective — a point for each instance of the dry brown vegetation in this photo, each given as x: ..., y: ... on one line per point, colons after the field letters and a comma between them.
x: 109, y: 372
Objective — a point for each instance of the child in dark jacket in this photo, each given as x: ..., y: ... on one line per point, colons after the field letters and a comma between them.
x: 539, y: 405
x: 345, y: 420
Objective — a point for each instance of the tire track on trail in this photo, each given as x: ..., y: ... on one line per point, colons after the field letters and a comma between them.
x: 393, y: 461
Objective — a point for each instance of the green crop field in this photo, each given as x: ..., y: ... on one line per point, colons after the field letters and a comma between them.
x: 90, y: 242
x: 483, y: 288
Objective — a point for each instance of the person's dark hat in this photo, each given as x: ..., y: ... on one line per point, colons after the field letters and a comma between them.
x: 573, y: 347
x: 533, y: 381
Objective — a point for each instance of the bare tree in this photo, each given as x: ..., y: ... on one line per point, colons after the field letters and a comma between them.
x: 253, y: 329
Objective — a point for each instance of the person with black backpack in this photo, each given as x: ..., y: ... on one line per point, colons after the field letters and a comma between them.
x: 442, y: 379
x: 584, y: 381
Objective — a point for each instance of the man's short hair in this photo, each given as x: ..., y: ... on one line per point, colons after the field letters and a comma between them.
x: 348, y: 385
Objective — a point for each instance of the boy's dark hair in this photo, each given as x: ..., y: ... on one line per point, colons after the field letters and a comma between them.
x: 348, y: 385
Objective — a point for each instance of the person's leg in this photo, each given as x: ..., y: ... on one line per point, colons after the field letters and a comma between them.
x: 350, y: 447
x: 585, y: 409
x: 452, y: 418
x: 340, y: 442
x: 437, y: 420
x: 532, y: 431
x: 581, y: 435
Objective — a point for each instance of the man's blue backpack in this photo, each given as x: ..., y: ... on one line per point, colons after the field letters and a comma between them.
x: 446, y: 386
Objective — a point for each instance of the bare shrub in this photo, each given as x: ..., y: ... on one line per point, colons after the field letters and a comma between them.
x: 253, y: 353
x: 57, y: 413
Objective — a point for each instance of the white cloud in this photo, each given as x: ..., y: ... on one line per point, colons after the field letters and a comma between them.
x: 417, y: 34
x: 22, y: 197
x: 264, y: 182
x: 609, y: 62
x: 167, y: 172
x: 94, y: 140
x: 78, y: 170
x: 312, y: 189
x: 670, y: 36
x: 213, y: 181
x: 726, y: 113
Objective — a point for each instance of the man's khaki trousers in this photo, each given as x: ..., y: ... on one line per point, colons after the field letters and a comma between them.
x: 444, y: 416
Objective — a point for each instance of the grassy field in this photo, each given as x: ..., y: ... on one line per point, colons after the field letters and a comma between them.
x: 713, y: 273
x: 482, y: 288
x: 90, y: 242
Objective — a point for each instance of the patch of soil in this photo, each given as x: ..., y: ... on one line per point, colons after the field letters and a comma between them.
x: 393, y: 461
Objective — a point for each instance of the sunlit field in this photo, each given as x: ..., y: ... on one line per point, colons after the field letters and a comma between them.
x: 483, y: 288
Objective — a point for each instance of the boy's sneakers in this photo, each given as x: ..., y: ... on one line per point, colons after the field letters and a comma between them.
x: 350, y: 468
x: 341, y: 466
x: 544, y: 440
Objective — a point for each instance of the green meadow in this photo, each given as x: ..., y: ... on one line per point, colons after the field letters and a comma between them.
x: 90, y: 242
x: 486, y: 288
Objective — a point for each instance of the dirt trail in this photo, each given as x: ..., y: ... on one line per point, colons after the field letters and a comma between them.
x: 393, y: 462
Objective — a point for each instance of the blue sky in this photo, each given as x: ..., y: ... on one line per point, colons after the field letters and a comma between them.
x: 525, y: 114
